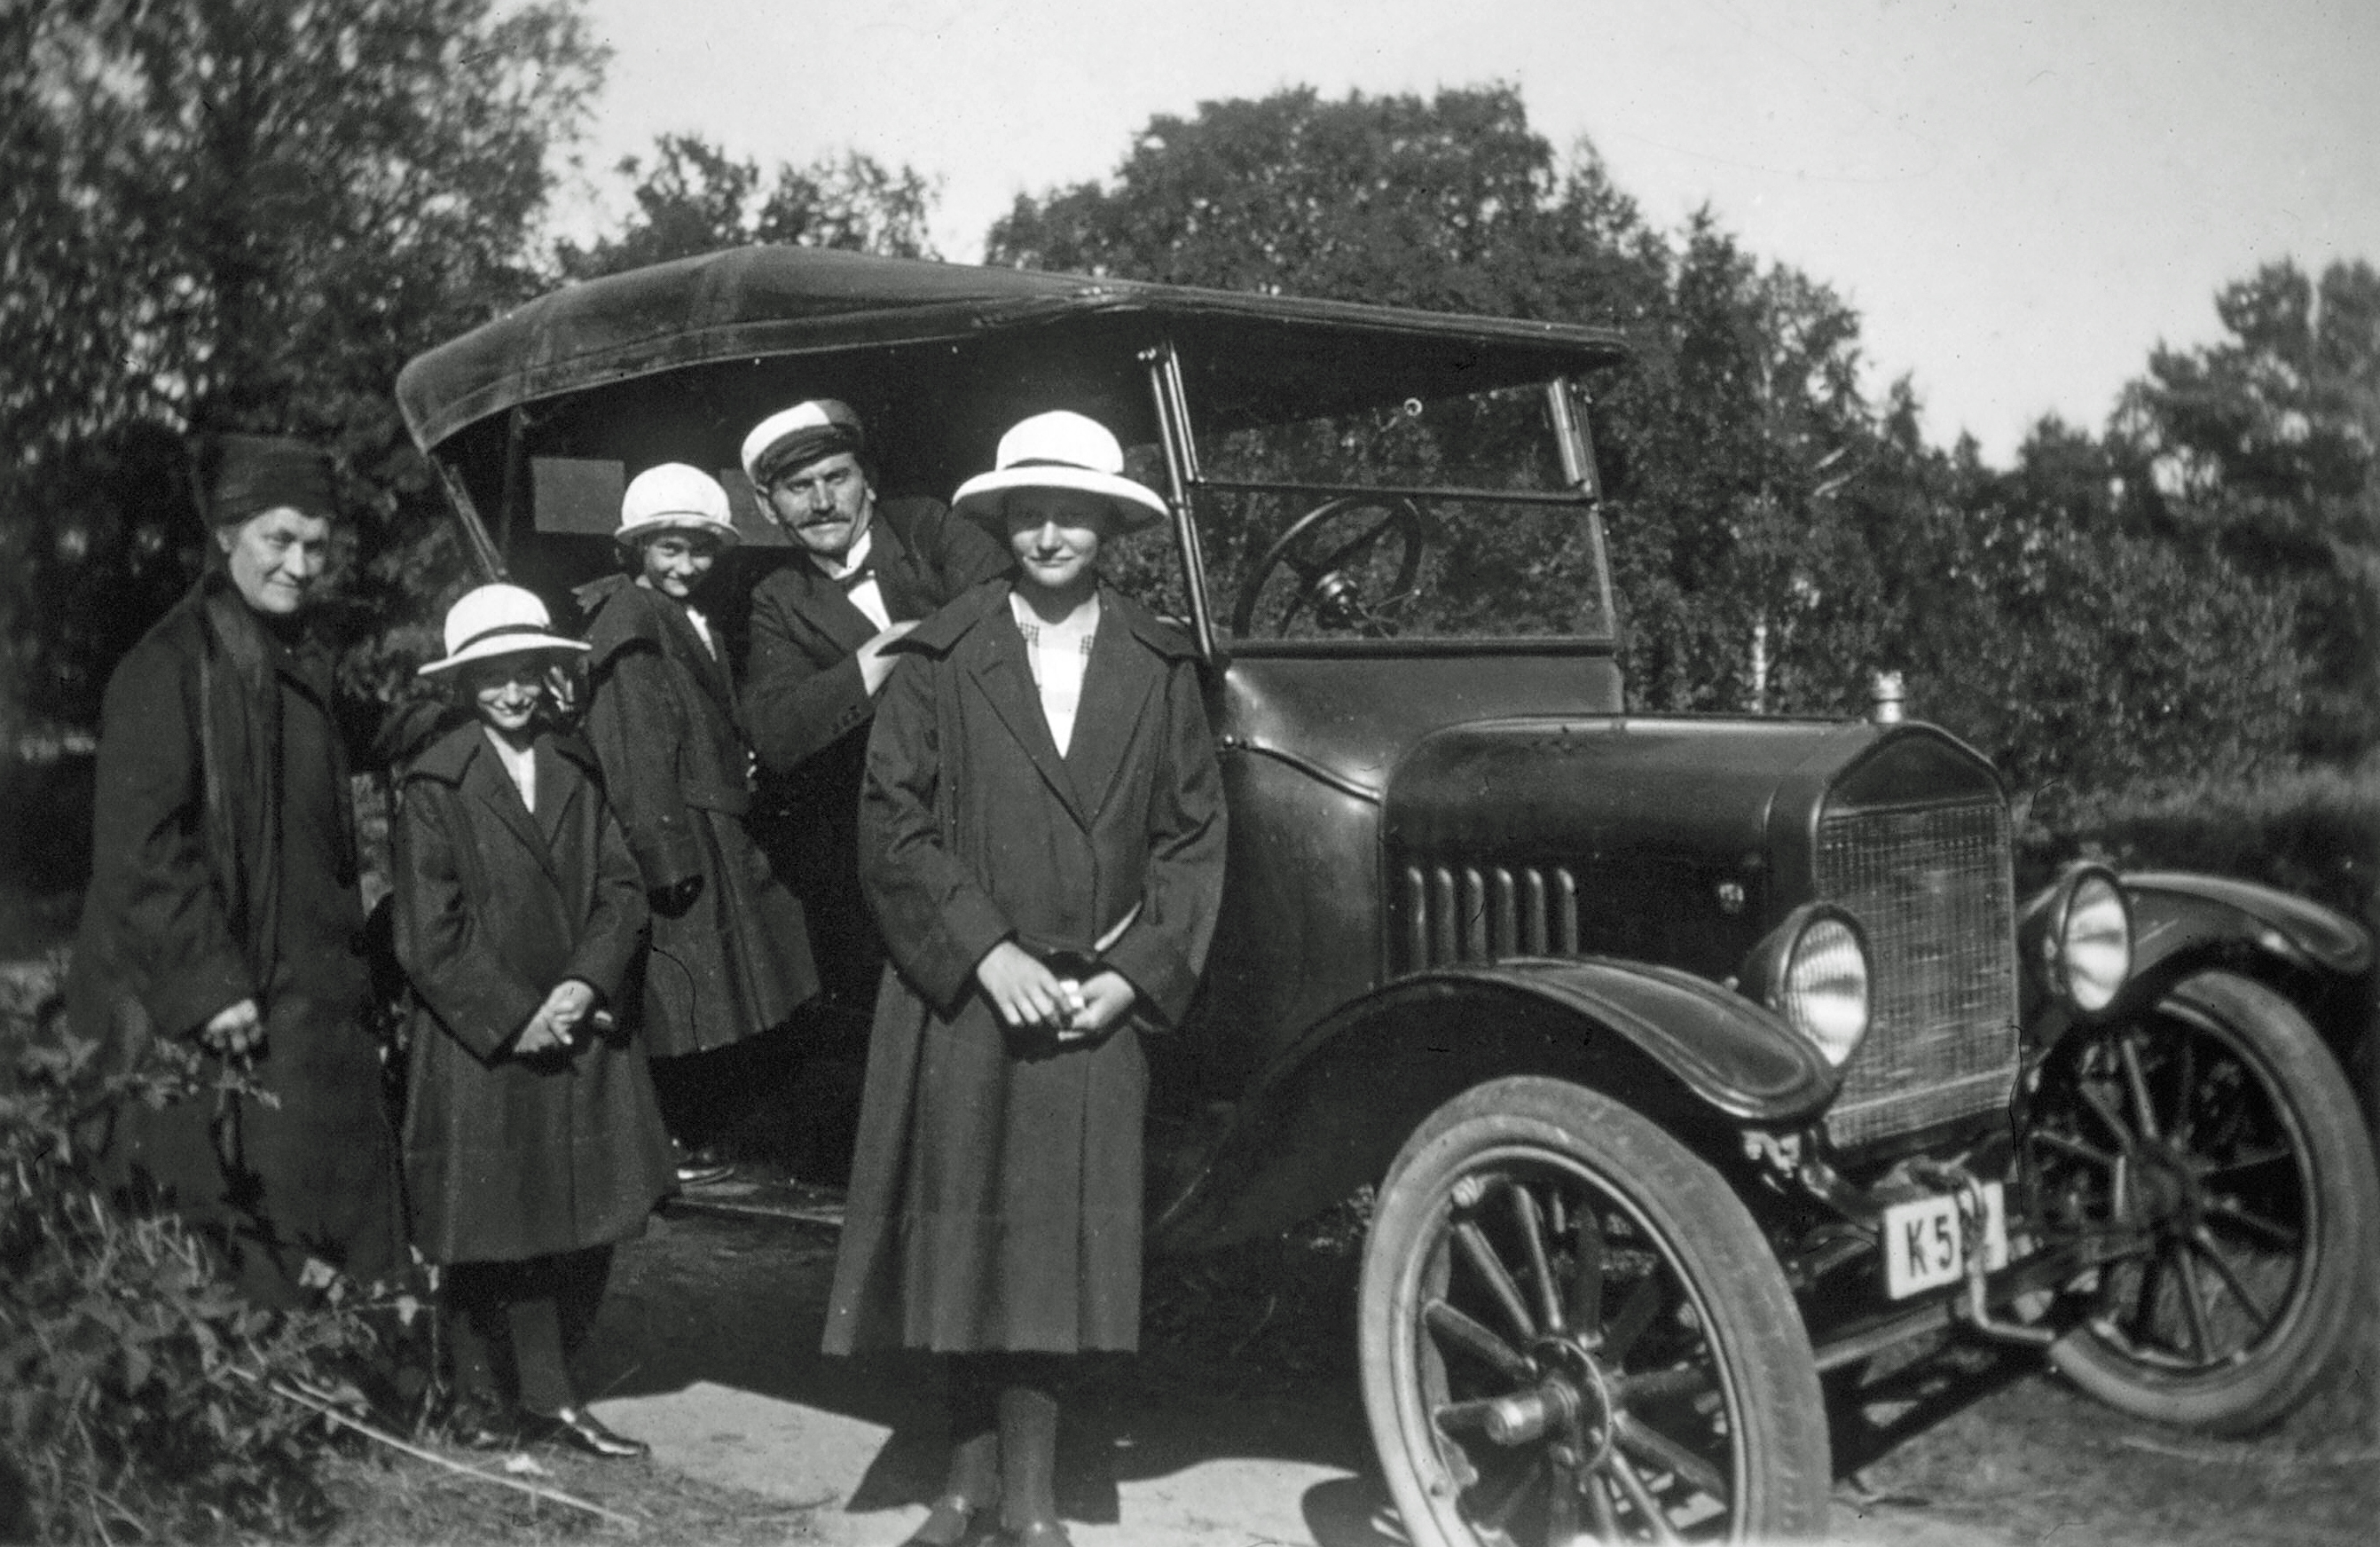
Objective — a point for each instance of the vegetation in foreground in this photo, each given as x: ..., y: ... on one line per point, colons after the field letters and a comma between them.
x: 136, y: 1383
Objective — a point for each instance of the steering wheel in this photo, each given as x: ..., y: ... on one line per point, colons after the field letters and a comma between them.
x: 1327, y: 578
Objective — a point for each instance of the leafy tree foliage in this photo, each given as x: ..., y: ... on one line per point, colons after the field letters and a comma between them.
x: 696, y: 198
x: 1452, y: 205
x: 2262, y: 448
x: 2091, y: 657
x: 246, y: 214
x: 136, y: 1396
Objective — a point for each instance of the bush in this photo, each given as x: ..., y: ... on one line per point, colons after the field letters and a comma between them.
x: 133, y: 1377
x: 2314, y: 832
x: 2087, y: 663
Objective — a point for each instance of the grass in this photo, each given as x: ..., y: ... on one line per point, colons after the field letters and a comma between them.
x: 386, y: 1499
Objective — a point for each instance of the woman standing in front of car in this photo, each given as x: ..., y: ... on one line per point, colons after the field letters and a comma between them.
x: 730, y: 954
x: 532, y: 1141
x: 1042, y: 842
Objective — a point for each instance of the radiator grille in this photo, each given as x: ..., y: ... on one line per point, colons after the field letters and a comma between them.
x: 1933, y: 888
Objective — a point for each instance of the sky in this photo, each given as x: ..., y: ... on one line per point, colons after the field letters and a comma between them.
x: 2021, y: 200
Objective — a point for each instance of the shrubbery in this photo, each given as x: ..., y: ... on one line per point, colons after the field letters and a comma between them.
x: 2086, y: 661
x: 133, y: 1400
x: 2314, y: 832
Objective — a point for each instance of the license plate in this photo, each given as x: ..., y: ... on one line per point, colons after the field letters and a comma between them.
x: 1924, y: 1249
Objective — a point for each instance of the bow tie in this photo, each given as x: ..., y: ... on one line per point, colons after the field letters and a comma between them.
x: 865, y: 570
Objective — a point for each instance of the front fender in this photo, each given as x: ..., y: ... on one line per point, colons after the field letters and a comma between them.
x: 2183, y: 921
x: 2174, y: 912
x: 1332, y: 1112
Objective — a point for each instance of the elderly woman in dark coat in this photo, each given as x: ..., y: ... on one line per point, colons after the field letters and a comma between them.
x: 224, y: 909
x: 532, y: 1143
x: 731, y: 955
x: 1042, y: 839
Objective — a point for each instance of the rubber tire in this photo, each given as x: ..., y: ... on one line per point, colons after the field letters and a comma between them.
x: 2303, y: 1075
x: 1711, y: 1239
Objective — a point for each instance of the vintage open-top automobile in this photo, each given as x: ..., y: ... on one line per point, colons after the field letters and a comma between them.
x: 1686, y: 1057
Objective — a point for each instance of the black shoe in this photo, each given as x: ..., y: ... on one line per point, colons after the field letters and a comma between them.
x: 700, y: 1166
x: 951, y: 1522
x: 1035, y: 1533
x: 581, y: 1430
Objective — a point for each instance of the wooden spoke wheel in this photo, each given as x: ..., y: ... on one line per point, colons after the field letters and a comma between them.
x: 2215, y: 1138
x: 1572, y: 1328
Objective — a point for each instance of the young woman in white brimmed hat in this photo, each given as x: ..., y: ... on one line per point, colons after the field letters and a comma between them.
x: 731, y: 955
x: 1043, y: 840
x: 532, y: 1142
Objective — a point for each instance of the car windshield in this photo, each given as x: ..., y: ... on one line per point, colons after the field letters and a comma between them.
x: 1428, y: 521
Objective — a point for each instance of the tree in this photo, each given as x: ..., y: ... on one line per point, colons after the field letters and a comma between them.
x: 2262, y: 448
x: 246, y: 215
x: 1452, y: 205
x: 698, y: 198
x: 1742, y: 423
x: 2089, y: 657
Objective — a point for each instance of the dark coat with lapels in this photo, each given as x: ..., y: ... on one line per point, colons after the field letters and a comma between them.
x: 508, y: 1157
x: 735, y: 960
x: 224, y: 867
x: 808, y: 713
x: 996, y: 1194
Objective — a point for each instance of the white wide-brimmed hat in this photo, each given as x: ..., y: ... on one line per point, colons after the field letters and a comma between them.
x: 1060, y: 450
x: 800, y: 436
x: 497, y: 620
x: 674, y: 498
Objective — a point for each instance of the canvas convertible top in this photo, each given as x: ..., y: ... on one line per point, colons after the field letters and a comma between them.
x: 679, y: 358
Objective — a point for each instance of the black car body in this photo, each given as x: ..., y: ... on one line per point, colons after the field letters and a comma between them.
x: 1687, y: 1057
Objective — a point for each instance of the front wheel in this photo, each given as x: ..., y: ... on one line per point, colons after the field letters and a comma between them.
x: 1572, y: 1328
x: 2215, y: 1140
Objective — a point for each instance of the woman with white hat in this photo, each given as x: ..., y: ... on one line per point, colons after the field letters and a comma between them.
x: 532, y: 1143
x: 1041, y: 837
x: 731, y: 955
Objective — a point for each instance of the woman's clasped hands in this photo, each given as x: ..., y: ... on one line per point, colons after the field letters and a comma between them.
x: 1027, y: 994
x: 557, y: 1021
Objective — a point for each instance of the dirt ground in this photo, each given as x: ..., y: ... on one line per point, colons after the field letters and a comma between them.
x: 1240, y: 1422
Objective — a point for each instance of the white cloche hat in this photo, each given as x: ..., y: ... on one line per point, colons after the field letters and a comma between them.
x: 497, y: 620
x: 674, y: 498
x: 1060, y: 450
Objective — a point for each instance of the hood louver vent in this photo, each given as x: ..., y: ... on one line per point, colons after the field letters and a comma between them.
x: 1486, y: 912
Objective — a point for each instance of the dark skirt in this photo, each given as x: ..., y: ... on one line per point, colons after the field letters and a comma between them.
x: 995, y: 1199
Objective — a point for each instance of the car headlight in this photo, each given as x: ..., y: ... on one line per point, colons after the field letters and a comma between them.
x: 1812, y: 970
x: 2087, y: 947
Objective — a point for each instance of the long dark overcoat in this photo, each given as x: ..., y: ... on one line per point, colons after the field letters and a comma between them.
x: 508, y: 1157
x: 996, y: 1194
x: 808, y: 711
x: 224, y: 867
x: 662, y: 717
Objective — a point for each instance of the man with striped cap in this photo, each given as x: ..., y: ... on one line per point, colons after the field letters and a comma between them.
x: 867, y: 571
